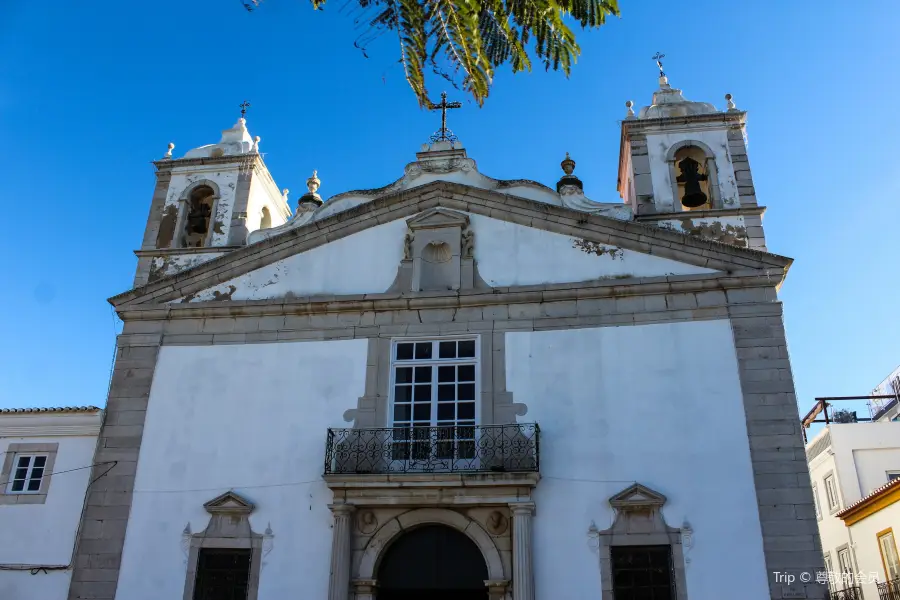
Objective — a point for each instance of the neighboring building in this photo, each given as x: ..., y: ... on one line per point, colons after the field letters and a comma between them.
x: 456, y: 386
x: 46, y: 455
x: 887, y: 409
x: 851, y: 465
x: 874, y: 524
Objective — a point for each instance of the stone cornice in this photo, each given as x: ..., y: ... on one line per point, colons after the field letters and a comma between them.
x: 626, y: 234
x: 610, y: 288
x: 167, y: 164
x: 702, y: 214
x: 50, y: 425
x: 171, y: 251
x: 737, y: 117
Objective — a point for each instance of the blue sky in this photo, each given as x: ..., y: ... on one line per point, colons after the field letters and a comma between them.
x: 90, y: 93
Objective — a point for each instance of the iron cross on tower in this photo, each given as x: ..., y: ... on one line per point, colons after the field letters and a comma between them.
x: 658, y: 58
x: 244, y: 106
x: 444, y: 134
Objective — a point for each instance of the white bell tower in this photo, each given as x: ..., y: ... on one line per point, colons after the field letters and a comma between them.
x: 683, y: 165
x: 207, y: 202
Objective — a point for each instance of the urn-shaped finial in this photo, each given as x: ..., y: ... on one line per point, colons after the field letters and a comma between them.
x: 568, y: 165
x: 313, y: 183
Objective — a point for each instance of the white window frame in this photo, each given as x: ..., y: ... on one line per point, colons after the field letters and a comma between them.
x: 890, y: 560
x: 818, y: 506
x: 435, y: 363
x: 831, y: 493
x: 31, y: 456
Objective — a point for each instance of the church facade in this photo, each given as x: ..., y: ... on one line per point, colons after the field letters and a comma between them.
x: 456, y: 387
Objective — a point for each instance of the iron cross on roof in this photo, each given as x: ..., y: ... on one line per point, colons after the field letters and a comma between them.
x: 244, y: 106
x: 443, y: 134
x: 658, y: 58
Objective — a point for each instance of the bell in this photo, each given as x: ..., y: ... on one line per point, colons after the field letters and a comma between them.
x: 691, y: 178
x: 693, y: 196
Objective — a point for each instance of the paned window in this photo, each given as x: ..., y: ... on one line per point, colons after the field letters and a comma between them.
x: 889, y: 557
x: 27, y: 474
x: 222, y: 574
x: 434, y: 391
x: 846, y: 565
x: 892, y: 475
x: 642, y: 572
x: 831, y: 492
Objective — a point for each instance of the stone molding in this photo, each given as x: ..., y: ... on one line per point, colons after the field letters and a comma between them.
x: 625, y: 234
x: 496, y: 402
x: 639, y: 522
x: 228, y: 528
x: 6, y: 497
x: 741, y: 211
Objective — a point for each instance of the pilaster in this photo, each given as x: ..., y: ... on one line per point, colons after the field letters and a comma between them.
x: 339, y: 579
x: 523, y: 575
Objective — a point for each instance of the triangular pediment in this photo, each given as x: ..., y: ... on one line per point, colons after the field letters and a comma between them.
x: 367, y: 242
x: 229, y: 503
x: 436, y: 218
x: 637, y: 497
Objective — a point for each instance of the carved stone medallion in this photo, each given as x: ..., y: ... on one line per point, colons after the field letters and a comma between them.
x: 497, y: 523
x: 366, y: 522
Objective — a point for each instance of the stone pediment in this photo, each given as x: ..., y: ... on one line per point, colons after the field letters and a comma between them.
x: 437, y: 218
x: 229, y: 503
x: 637, y: 497
x: 364, y: 246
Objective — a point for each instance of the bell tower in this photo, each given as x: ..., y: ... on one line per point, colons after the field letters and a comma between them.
x: 683, y: 165
x: 206, y: 203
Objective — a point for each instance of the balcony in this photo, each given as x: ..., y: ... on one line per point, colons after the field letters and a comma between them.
x: 848, y: 593
x: 443, y: 449
x: 889, y: 590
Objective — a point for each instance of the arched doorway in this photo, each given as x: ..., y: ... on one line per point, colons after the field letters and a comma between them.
x: 434, y: 562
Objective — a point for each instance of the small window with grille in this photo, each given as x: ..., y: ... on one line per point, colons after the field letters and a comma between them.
x: 434, y: 391
x: 222, y: 574
x: 642, y: 572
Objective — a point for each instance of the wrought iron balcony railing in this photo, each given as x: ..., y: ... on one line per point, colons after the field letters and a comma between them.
x: 441, y: 449
x: 889, y: 590
x: 848, y: 593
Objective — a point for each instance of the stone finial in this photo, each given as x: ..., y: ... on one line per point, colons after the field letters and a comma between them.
x: 569, y: 183
x: 313, y: 183
x: 630, y: 106
x: 311, y: 199
x: 730, y: 100
x: 255, y: 148
x: 284, y: 194
x: 169, y: 153
x: 568, y: 165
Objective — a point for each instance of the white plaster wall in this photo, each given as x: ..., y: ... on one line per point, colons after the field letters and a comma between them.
x: 363, y: 263
x: 251, y: 418
x: 636, y: 405
x: 507, y: 254
x: 510, y: 254
x: 263, y: 193
x: 832, y: 531
x: 863, y: 452
x: 44, y: 534
x: 658, y: 145
x: 868, y: 555
x: 224, y: 178
x: 176, y: 263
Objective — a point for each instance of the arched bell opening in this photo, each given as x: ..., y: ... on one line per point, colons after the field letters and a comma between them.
x: 435, y: 562
x: 692, y: 167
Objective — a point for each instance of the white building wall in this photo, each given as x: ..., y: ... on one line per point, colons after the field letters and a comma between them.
x: 832, y: 531
x: 264, y: 193
x: 506, y: 254
x: 658, y: 145
x: 44, y: 534
x: 248, y: 418
x: 864, y: 452
x: 636, y: 404
x: 225, y: 178
x: 865, y: 538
